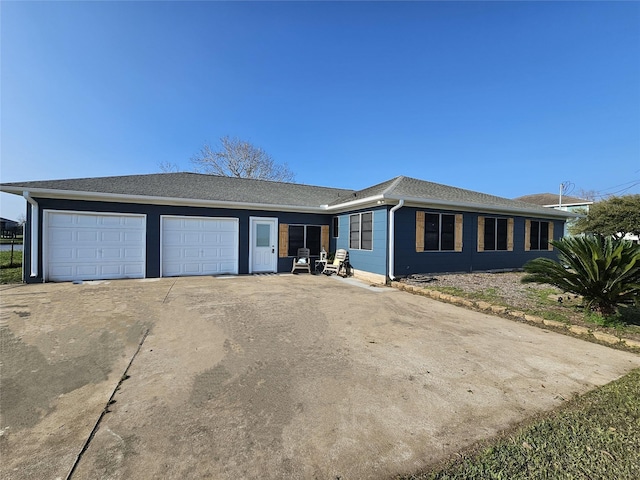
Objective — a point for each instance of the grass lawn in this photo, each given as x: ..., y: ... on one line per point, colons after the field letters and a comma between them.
x: 593, y: 436
x: 10, y: 272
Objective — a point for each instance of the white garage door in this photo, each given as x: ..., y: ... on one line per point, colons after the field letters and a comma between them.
x: 199, y: 246
x: 94, y: 246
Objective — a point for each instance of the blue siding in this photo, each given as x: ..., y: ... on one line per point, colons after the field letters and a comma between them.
x: 154, y: 212
x: 374, y: 261
x: 408, y: 261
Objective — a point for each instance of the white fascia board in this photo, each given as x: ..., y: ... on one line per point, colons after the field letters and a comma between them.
x: 360, y: 203
x: 372, y: 201
x: 484, y: 208
x: 555, y: 205
x: 154, y: 200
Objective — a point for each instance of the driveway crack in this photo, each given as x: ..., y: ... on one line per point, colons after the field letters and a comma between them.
x: 106, y: 410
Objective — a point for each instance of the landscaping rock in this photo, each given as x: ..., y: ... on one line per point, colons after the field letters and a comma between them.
x: 605, y: 337
x: 579, y: 330
x: 533, y: 318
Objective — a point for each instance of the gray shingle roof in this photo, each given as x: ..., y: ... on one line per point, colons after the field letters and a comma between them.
x: 551, y: 199
x: 212, y: 188
x: 407, y: 187
x: 196, y: 186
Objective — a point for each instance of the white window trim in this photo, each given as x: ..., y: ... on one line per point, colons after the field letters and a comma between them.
x: 360, y: 231
x: 335, y: 226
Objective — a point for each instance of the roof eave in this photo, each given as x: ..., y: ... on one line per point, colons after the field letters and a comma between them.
x: 482, y: 207
x: 156, y: 200
x: 359, y: 203
x: 350, y: 205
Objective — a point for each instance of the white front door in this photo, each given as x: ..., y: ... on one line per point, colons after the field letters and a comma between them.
x: 263, y: 244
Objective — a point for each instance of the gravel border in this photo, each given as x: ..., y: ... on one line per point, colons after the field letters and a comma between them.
x: 504, y: 294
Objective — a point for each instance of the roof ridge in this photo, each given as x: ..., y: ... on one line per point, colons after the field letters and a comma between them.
x: 393, y: 185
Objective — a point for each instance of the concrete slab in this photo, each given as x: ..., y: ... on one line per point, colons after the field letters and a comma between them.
x: 267, y: 377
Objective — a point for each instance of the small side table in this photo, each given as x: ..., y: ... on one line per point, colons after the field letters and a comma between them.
x: 319, y: 266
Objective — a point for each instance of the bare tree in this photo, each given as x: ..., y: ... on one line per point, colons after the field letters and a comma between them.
x: 168, y: 167
x: 238, y: 158
x: 22, y: 219
x: 590, y: 195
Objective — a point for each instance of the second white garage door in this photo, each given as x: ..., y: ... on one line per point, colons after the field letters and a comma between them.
x: 199, y: 246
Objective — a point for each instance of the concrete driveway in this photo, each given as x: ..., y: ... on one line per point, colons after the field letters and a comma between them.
x: 266, y: 377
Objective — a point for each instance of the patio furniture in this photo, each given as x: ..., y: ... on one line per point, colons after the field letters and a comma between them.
x: 302, y: 261
x: 321, y: 262
x: 338, y: 263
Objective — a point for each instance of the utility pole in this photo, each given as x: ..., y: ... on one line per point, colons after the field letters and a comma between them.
x: 560, y: 199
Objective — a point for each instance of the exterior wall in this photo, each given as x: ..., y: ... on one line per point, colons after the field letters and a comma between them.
x: 153, y: 213
x: 373, y: 261
x: 408, y: 261
x: 580, y: 209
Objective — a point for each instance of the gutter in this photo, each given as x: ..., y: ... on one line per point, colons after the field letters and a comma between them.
x: 34, y: 233
x: 156, y: 200
x: 194, y: 202
x: 392, y: 240
x: 478, y: 207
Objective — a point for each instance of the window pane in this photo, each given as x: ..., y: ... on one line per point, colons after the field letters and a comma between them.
x: 263, y: 232
x: 544, y: 235
x: 354, y: 231
x: 489, y: 233
x: 367, y: 231
x: 296, y: 239
x: 448, y: 232
x: 501, y: 234
x: 313, y: 239
x: 535, y: 235
x: 431, y: 231
x: 336, y: 223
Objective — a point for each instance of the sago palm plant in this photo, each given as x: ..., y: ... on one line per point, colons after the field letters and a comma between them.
x: 605, y: 271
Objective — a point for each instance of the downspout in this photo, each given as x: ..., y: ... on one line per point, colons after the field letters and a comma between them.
x: 34, y: 233
x: 392, y: 239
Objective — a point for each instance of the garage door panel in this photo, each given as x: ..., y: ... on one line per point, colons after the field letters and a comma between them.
x: 93, y: 246
x: 133, y: 270
x: 191, y: 253
x: 199, y: 246
x: 131, y: 253
x: 60, y: 271
x: 87, y: 254
x: 91, y: 236
x: 111, y: 236
x: 191, y: 238
x: 113, y: 253
x: 57, y: 235
x: 134, y: 237
x: 110, y: 270
x: 90, y: 270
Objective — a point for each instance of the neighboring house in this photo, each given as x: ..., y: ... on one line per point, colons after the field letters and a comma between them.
x: 9, y: 228
x: 178, y: 224
x: 576, y: 205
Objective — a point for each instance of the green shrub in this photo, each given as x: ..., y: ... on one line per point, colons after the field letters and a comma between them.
x: 605, y: 271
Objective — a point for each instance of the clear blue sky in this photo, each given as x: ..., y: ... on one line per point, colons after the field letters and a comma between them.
x: 507, y: 98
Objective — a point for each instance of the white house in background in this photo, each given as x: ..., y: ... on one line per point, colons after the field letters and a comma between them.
x: 565, y: 203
